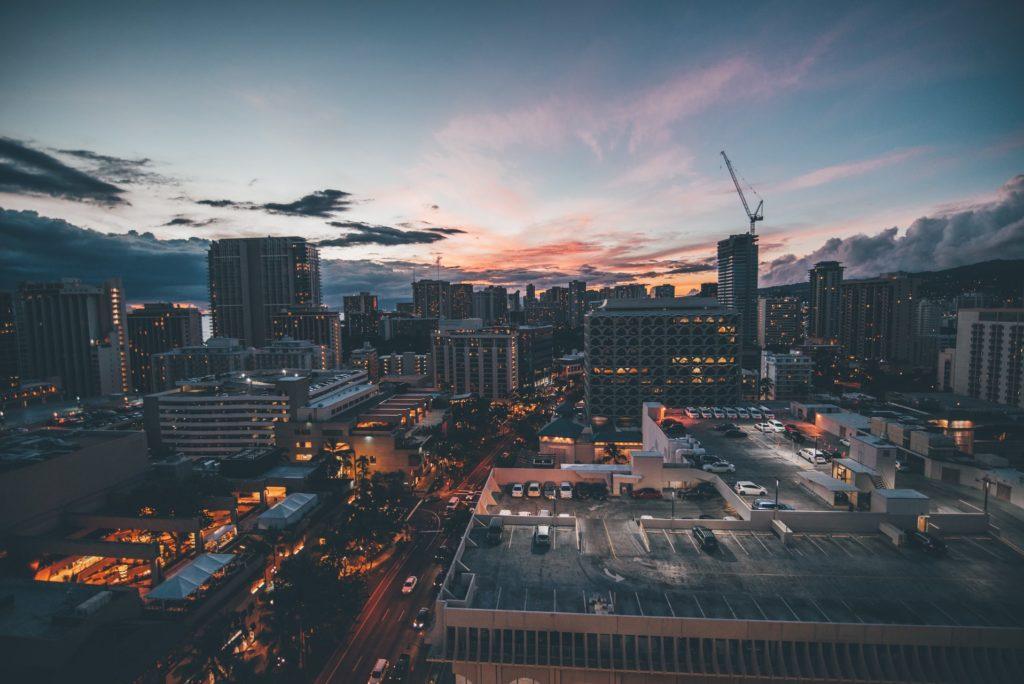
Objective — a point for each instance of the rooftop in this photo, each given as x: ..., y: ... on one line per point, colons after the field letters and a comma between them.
x: 38, y: 445
x: 832, y: 578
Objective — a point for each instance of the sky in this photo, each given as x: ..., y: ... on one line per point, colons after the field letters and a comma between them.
x: 517, y: 142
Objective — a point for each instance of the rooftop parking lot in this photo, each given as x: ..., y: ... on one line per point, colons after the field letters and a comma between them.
x: 617, y: 508
x: 837, y: 578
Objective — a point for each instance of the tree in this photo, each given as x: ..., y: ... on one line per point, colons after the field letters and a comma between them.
x: 208, y: 648
x: 765, y: 387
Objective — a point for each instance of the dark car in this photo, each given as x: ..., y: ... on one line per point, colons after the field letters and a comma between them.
x: 928, y: 543
x: 399, y: 671
x: 736, y: 434
x: 443, y: 555
x: 704, y: 490
x: 792, y: 428
x: 705, y: 538
x: 422, y: 619
x: 439, y: 580
x: 770, y: 505
x: 647, y: 493
x: 725, y: 427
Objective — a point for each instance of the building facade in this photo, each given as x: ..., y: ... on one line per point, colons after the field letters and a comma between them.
x: 432, y: 298
x: 252, y: 279
x: 989, y: 356
x: 406, y: 363
x: 362, y: 316
x: 737, y: 283
x: 536, y: 354
x: 219, y: 355
x: 824, y: 311
x: 877, y: 316
x: 681, y: 352
x: 779, y: 322
x: 9, y: 376
x: 462, y: 300
x: 663, y: 291
x: 318, y: 325
x: 75, y: 332
x: 788, y: 375
x: 157, y: 328
x: 480, y: 362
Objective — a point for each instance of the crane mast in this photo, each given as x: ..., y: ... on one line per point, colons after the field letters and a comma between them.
x: 758, y: 213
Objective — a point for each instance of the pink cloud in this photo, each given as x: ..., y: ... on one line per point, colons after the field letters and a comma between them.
x: 836, y: 172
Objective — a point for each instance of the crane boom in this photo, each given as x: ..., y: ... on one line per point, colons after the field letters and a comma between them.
x: 758, y: 213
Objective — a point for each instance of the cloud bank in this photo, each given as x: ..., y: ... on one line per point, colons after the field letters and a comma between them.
x: 25, y: 170
x: 368, y: 234
x: 317, y: 204
x: 993, y: 230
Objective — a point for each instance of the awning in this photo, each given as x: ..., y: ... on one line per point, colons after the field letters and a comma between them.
x: 287, y: 512
x: 188, y: 579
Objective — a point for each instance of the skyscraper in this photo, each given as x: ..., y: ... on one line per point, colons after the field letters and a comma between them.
x: 823, y: 323
x: 251, y: 279
x: 8, y: 343
x: 156, y: 328
x: 577, y: 302
x: 988, y: 362
x: 75, y: 332
x: 432, y: 298
x: 462, y: 300
x: 664, y: 291
x: 779, y: 322
x: 876, y: 317
x: 362, y: 317
x: 681, y: 352
x: 490, y: 305
x: 737, y: 284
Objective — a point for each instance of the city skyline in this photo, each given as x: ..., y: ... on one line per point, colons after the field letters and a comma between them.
x: 526, y: 155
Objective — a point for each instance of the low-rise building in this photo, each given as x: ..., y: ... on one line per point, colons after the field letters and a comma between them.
x: 788, y: 375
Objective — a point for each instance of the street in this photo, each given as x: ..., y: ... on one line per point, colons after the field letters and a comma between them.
x: 383, y: 629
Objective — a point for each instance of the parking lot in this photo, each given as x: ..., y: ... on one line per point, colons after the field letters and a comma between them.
x: 837, y: 578
x: 620, y: 508
x: 762, y: 458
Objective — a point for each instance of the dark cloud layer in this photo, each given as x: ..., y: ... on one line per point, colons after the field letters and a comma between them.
x: 27, y: 171
x: 965, y: 236
x: 187, y: 221
x: 40, y: 248
x: 118, y: 169
x: 368, y: 234
x: 318, y: 204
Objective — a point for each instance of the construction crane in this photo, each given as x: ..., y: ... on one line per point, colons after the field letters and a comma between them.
x: 757, y: 214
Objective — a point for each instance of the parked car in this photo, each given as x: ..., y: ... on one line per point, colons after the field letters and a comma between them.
x: 796, y: 437
x: 542, y: 536
x: 565, y: 490
x: 518, y: 490
x: 702, y: 490
x: 777, y: 426
x: 706, y: 413
x: 399, y: 671
x: 736, y: 434
x: 725, y: 427
x: 764, y: 427
x: 718, y: 413
x: 533, y: 490
x: 647, y: 493
x: 748, y: 488
x: 790, y: 427
x: 731, y: 413
x: 928, y: 543
x: 705, y: 538
x: 550, y: 490
x: 380, y: 668
x: 754, y: 413
x: 422, y: 619
x: 453, y: 504
x: 812, y: 455
x: 742, y: 413
x: 719, y: 467
x: 770, y: 505
x: 766, y: 412
x: 409, y: 584
x: 691, y: 412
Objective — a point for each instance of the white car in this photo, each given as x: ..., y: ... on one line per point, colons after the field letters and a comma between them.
x: 747, y: 488
x: 705, y: 412
x: 731, y: 413
x: 718, y: 413
x: 813, y: 456
x: 766, y: 412
x: 742, y: 413
x: 692, y: 412
x: 764, y: 427
x: 379, y: 670
x: 409, y: 584
x: 777, y: 426
x: 565, y: 490
x: 719, y: 467
x: 517, y: 491
x: 754, y: 413
x: 533, y: 490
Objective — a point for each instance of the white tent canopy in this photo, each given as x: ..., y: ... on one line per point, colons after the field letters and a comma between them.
x: 188, y: 579
x: 287, y: 512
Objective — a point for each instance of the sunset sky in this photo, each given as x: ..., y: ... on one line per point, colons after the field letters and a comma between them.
x: 520, y: 142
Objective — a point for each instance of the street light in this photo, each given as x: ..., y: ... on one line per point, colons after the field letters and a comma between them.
x: 988, y: 483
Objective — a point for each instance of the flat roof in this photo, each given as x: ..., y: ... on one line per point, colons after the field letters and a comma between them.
x: 827, y: 481
x: 899, y: 494
x: 832, y: 578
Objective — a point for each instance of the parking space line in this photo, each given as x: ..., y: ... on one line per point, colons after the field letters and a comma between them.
x: 669, y: 602
x: 949, y: 617
x: 608, y: 536
x: 785, y: 603
x: 814, y: 543
x: 852, y: 611
x: 526, y: 596
x: 764, y: 546
x: 693, y: 541
x: 669, y: 540
x: 733, y: 535
x: 639, y: 605
x: 859, y: 543
x: 984, y: 550
x: 727, y: 605
x: 818, y: 608
x: 758, y: 606
x: 497, y: 600
x: 554, y: 537
x: 511, y: 531
x: 912, y: 611
x: 833, y: 540
x: 699, y: 607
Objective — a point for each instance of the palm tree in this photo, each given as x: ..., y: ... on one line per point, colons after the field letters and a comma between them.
x: 765, y: 387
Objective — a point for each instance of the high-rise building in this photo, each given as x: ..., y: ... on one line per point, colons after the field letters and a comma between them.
x: 318, y: 325
x: 788, y: 375
x: 75, y: 332
x: 934, y: 330
x: 779, y: 322
x: 824, y: 313
x: 876, y: 318
x: 155, y: 328
x: 989, y: 357
x: 631, y: 291
x: 663, y: 291
x: 709, y: 290
x: 251, y: 279
x: 536, y: 354
x: 362, y: 317
x: 490, y: 305
x: 681, y: 352
x: 9, y: 378
x: 480, y: 362
x: 531, y: 293
x: 737, y: 283
x: 462, y: 300
x: 405, y: 363
x: 577, y: 302
x: 432, y: 298
x: 366, y: 358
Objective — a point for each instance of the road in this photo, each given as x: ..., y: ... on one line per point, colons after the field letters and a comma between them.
x: 383, y: 629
